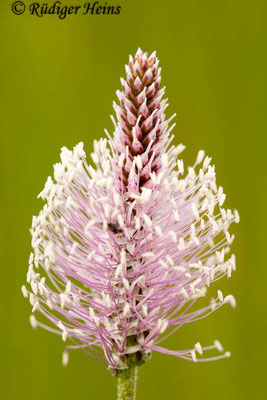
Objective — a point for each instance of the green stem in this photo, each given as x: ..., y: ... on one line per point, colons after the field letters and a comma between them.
x: 127, y: 383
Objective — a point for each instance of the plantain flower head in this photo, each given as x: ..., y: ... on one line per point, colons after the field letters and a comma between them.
x: 123, y: 250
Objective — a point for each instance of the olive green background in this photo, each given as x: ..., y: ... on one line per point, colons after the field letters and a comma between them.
x: 58, y: 81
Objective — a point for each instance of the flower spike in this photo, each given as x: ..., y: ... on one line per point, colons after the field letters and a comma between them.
x: 124, y: 249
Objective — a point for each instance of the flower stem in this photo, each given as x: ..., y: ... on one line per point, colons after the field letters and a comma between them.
x: 127, y: 383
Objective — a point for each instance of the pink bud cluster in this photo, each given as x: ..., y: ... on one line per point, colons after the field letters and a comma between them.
x: 141, y: 131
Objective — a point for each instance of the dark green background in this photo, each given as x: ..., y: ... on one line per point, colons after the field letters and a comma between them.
x: 58, y: 81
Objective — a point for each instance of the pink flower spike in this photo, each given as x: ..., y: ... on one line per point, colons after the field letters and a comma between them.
x: 124, y: 249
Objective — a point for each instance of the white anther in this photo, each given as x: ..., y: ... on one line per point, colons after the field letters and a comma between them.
x: 181, y: 245
x: 139, y: 162
x: 41, y: 286
x: 199, y: 348
x: 164, y: 160
x: 31, y: 258
x: 162, y: 325
x: 195, y: 211
x: 126, y: 309
x: 180, y: 165
x: 68, y: 287
x: 222, y: 199
x: 122, y: 256
x: 232, y: 262
x: 63, y: 299
x: 126, y: 283
x: 34, y: 287
x: 176, y: 216
x: 200, y: 156
x: 236, y: 216
x: 24, y: 291
x: 35, y: 306
x: 90, y: 224
x: 194, y: 357
x: 163, y: 264
x: 118, y: 271
x: 230, y: 299
x: 214, y: 225
x: 73, y: 247
x: 170, y: 260
x: 206, y: 162
x: 65, y: 358
x: 105, y: 226
x: 220, y: 295
x: 191, y: 173
x: 120, y: 220
x: 137, y: 223
x: 121, y: 159
x: 148, y: 254
x: 146, y: 194
x: 33, y: 322
x: 158, y: 230
x: 180, y: 148
x: 145, y: 309
x: 220, y: 256
x: 193, y: 229
x: 218, y: 346
x: 173, y: 236
x: 147, y: 220
x: 184, y: 293
x: 90, y: 255
x: 48, y: 250
x: 212, y: 305
x: 117, y: 199
x: 64, y: 335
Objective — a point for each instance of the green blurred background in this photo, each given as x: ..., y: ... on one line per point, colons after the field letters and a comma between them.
x: 58, y: 81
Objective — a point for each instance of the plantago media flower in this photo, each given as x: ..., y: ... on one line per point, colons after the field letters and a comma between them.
x: 123, y: 250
